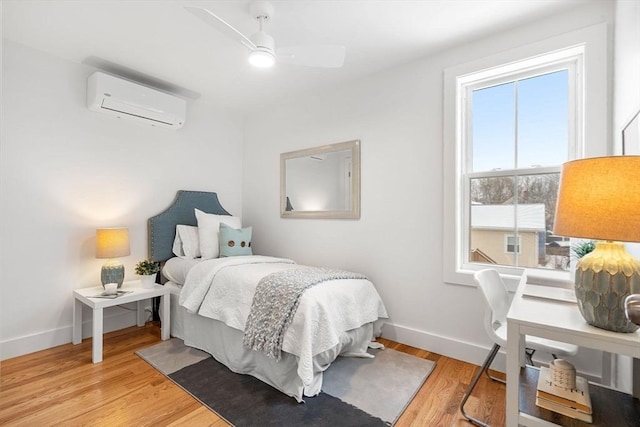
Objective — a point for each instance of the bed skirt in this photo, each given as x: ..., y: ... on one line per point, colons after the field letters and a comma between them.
x: 225, y: 345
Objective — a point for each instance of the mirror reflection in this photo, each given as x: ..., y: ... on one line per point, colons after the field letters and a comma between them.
x: 321, y: 182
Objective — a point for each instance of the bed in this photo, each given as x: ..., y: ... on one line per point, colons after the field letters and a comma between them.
x: 212, y: 301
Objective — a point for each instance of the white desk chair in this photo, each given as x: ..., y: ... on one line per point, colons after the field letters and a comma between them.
x: 496, y: 297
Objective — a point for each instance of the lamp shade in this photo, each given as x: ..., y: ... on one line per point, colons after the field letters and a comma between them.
x: 112, y: 242
x: 599, y: 198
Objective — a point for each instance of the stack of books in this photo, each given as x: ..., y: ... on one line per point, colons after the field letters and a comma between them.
x: 574, y: 403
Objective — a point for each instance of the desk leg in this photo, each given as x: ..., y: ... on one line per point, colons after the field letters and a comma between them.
x: 635, y: 369
x: 140, y: 312
x: 166, y: 314
x: 515, y: 347
x: 77, y: 321
x: 97, y: 335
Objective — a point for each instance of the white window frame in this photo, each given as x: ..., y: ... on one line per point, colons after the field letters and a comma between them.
x: 587, y: 50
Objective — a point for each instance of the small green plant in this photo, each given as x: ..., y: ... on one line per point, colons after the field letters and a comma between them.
x: 581, y: 249
x: 147, y: 267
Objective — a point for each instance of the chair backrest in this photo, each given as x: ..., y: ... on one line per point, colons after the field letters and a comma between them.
x: 496, y: 298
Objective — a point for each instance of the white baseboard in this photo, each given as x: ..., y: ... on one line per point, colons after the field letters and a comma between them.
x: 456, y: 349
x: 114, y: 319
x: 445, y: 346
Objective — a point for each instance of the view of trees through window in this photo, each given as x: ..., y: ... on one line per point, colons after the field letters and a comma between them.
x: 519, y: 140
x: 530, y: 189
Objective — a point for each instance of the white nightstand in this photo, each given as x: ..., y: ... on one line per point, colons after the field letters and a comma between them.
x: 137, y: 294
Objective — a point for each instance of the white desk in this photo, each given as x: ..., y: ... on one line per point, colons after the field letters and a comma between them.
x: 138, y: 294
x: 556, y: 320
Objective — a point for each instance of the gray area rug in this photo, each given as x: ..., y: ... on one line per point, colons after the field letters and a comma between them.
x: 355, y: 392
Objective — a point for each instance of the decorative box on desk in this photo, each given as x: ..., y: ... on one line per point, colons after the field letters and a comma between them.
x: 562, y: 321
x: 136, y: 294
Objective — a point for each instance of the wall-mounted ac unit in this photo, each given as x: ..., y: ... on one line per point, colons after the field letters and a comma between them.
x: 128, y: 100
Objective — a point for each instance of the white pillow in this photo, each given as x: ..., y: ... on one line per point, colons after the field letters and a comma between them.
x: 176, y: 269
x: 186, y: 244
x: 209, y: 229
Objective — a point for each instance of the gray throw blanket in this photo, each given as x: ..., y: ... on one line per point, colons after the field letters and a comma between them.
x: 275, y: 302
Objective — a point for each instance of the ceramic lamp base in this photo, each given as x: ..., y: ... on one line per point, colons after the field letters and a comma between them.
x: 112, y: 272
x: 604, y: 278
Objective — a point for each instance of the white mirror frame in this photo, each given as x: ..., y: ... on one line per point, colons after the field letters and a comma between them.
x: 354, y: 212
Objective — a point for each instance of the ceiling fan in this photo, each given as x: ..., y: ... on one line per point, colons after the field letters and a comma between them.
x: 263, y: 52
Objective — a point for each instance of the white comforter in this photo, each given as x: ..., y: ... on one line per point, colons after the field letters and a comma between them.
x: 223, y: 288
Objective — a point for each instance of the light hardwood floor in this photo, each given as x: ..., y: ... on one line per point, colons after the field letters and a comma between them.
x: 61, y: 387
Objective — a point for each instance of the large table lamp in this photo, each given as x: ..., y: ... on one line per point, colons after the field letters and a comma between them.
x: 112, y: 243
x: 599, y: 198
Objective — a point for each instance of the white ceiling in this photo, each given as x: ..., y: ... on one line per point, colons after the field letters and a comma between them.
x: 160, y: 42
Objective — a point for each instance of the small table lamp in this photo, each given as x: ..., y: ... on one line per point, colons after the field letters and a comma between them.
x: 112, y: 243
x: 599, y: 198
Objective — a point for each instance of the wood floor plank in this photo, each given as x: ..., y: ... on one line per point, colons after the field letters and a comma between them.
x: 200, y: 416
x: 60, y: 386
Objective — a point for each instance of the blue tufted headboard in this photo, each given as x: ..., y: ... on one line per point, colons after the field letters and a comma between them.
x: 162, y: 227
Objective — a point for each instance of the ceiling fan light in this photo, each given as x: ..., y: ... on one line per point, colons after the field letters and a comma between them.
x: 262, y: 58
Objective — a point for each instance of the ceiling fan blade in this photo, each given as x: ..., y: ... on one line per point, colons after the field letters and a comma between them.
x: 221, y: 25
x: 322, y: 56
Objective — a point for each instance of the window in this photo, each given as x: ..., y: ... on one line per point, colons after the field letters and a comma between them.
x: 515, y: 138
x: 512, y: 244
x: 510, y: 122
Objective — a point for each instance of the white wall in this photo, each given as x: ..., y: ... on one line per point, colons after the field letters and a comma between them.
x: 397, y: 242
x: 626, y: 91
x: 626, y: 80
x: 65, y: 171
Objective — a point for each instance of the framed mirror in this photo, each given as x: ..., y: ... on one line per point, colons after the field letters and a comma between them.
x: 321, y: 182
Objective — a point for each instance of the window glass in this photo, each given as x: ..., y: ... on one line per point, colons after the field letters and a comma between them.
x: 523, y: 204
x: 543, y: 120
x: 517, y: 129
x: 493, y: 128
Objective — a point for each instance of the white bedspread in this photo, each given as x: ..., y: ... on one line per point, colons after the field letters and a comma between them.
x: 223, y: 288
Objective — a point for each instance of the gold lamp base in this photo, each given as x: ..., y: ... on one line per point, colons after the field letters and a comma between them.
x: 604, y: 278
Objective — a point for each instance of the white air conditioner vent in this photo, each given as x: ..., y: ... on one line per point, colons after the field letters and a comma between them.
x: 128, y: 100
